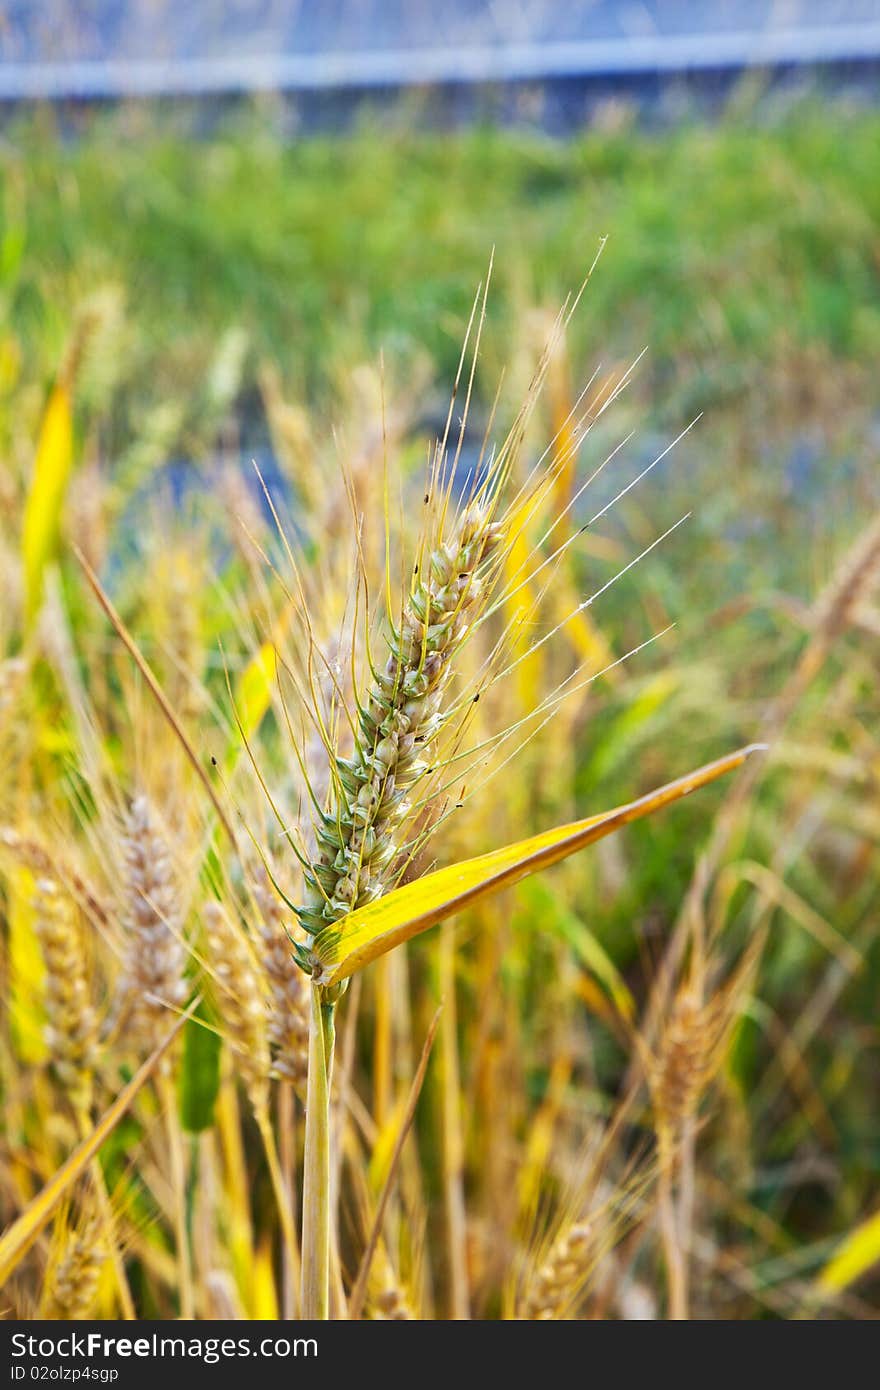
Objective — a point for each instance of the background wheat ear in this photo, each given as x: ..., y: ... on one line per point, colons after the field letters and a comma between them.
x: 153, y: 984
x: 288, y: 986
x: 560, y: 1278
x: 76, y: 1263
x: 71, y: 1028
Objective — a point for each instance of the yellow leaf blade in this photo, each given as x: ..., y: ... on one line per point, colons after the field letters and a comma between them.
x: 344, y: 947
x: 264, y: 1293
x: 42, y: 513
x: 854, y: 1257
x: 253, y: 690
x: 27, y: 972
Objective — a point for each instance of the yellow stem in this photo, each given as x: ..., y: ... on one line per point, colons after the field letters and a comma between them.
x: 315, y: 1297
x: 178, y: 1183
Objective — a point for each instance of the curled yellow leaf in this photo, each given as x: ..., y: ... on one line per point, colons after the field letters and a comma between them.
x: 362, y: 936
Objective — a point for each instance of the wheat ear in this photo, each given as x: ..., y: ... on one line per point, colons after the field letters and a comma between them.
x: 74, y: 1274
x: 153, y: 979
x: 71, y: 1030
x: 560, y: 1278
x: 358, y: 837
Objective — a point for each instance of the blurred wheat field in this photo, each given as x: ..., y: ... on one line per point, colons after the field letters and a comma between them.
x: 239, y: 704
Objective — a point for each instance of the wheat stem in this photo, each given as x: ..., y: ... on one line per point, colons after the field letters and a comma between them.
x: 453, y: 1139
x: 282, y: 1197
x: 287, y: 1158
x: 315, y: 1297
x: 178, y: 1184
x: 672, y: 1250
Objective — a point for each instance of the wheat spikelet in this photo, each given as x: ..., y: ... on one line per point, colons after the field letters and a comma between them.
x: 155, y: 956
x: 358, y: 838
x: 241, y: 999
x: 71, y: 1030
x: 689, y: 1052
x: 560, y: 1277
x: 30, y: 852
x: 681, y: 1066
x: 288, y: 989
x: 74, y: 1274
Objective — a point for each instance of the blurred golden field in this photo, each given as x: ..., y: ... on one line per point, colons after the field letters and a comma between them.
x: 244, y: 535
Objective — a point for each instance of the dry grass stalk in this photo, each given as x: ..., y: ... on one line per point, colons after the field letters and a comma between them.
x: 71, y: 1029
x: 155, y: 954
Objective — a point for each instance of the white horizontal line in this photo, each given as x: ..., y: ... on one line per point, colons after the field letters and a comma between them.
x: 415, y: 66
